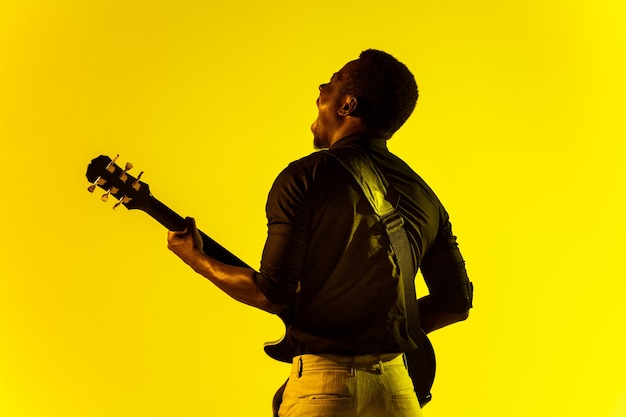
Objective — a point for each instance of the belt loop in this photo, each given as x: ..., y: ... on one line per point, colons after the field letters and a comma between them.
x: 300, y: 367
x: 380, y: 364
x: 353, y: 367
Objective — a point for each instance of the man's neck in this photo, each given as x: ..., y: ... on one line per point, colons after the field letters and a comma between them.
x: 353, y: 127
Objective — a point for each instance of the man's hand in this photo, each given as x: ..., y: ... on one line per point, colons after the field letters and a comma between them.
x: 187, y: 245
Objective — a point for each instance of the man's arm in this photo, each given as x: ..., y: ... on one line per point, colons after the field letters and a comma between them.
x: 238, y: 282
x: 451, y: 291
x: 433, y: 318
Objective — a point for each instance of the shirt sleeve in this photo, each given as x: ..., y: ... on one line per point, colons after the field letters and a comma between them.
x: 443, y: 269
x: 285, y: 249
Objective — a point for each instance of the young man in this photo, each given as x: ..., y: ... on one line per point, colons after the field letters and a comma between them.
x: 329, y: 262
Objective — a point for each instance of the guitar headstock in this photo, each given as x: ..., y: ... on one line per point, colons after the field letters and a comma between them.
x: 129, y: 191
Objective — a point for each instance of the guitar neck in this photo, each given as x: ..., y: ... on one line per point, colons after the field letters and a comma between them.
x: 173, y: 221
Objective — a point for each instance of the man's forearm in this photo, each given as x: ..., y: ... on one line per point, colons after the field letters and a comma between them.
x: 237, y: 282
x: 433, y: 318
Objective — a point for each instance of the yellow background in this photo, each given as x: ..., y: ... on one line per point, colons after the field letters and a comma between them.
x: 519, y: 128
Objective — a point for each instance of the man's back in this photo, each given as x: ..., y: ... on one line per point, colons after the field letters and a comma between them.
x: 325, y: 240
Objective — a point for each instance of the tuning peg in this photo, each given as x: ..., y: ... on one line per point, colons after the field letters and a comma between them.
x: 123, y: 175
x: 111, y: 165
x: 99, y: 181
x: 136, y: 185
x: 113, y: 190
x: 123, y: 200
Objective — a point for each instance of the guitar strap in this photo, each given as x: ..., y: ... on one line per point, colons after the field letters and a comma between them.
x: 384, y: 200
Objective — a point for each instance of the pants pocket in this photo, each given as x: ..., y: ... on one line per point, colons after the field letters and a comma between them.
x: 325, y: 399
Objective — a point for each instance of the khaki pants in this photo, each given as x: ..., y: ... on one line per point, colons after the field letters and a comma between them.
x: 346, y: 386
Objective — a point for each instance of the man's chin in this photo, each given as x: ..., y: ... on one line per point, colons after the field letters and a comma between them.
x: 318, y: 143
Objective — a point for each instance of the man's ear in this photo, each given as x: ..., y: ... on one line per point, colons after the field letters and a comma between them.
x: 349, y: 107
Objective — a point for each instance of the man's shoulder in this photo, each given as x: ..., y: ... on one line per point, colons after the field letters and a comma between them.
x: 316, y: 163
x: 316, y: 171
x: 313, y: 158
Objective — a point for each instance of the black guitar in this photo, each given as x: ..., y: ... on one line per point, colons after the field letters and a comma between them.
x: 133, y: 193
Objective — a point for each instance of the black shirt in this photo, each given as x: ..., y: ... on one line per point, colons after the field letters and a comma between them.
x: 328, y: 255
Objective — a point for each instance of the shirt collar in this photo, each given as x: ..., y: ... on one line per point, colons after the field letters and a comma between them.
x: 360, y: 140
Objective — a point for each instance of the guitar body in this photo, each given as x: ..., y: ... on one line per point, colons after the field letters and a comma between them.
x: 421, y: 364
x: 132, y: 193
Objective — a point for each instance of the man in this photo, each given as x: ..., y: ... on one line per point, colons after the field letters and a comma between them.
x: 328, y: 260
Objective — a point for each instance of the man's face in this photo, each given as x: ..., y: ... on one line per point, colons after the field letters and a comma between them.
x: 329, y: 102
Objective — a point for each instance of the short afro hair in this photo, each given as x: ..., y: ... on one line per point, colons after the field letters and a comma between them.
x: 385, y: 90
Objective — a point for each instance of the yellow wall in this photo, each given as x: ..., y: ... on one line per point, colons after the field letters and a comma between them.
x: 520, y: 129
